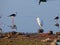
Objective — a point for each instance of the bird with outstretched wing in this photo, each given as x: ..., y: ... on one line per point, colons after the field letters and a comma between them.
x: 42, y: 1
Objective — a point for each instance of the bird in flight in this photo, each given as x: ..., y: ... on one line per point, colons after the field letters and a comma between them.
x: 39, y: 22
x: 12, y: 15
x: 57, y: 25
x: 13, y: 26
x: 57, y: 17
x: 42, y: 1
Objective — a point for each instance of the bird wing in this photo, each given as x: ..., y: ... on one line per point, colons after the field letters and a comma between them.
x: 57, y: 25
x: 39, y: 22
x: 42, y: 1
x: 39, y: 2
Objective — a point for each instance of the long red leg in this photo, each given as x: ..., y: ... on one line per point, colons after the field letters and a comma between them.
x: 12, y: 20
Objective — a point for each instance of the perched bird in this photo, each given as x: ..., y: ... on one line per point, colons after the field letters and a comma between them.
x: 42, y: 1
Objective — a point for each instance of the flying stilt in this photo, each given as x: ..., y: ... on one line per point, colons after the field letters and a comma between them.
x: 57, y: 25
x: 13, y: 26
x: 56, y: 19
x: 42, y: 1
x: 40, y: 25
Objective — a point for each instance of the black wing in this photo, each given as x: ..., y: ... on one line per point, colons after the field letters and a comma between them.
x: 39, y: 2
x: 57, y: 17
x: 42, y: 1
x: 13, y: 15
x: 57, y: 25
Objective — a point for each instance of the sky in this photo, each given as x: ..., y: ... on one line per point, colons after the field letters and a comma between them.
x: 27, y: 11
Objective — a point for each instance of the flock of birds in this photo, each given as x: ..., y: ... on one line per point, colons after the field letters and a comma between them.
x: 39, y: 22
x: 13, y: 26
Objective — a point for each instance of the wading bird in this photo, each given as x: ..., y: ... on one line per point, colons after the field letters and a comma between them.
x: 13, y: 26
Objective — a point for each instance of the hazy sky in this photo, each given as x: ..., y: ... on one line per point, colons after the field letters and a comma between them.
x: 27, y: 11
